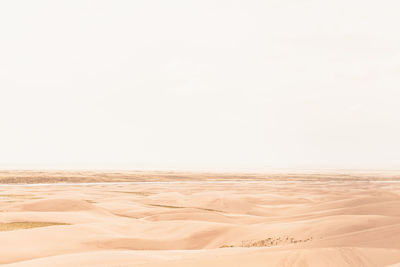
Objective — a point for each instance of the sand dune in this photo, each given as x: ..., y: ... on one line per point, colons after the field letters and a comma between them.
x: 312, y: 223
x: 54, y: 205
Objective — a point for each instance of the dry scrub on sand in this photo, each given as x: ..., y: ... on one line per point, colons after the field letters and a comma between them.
x: 25, y: 225
x: 269, y: 242
x: 34, y: 176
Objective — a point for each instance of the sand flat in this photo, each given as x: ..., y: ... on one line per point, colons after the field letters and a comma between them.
x: 204, y: 221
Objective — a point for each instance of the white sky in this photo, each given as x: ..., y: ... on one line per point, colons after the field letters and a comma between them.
x: 205, y: 84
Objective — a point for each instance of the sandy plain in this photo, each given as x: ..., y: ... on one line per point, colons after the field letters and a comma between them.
x: 204, y: 219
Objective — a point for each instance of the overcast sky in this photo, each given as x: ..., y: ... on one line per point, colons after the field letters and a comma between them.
x: 202, y: 85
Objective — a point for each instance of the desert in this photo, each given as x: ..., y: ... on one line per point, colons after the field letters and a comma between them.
x: 199, y: 219
x: 208, y: 133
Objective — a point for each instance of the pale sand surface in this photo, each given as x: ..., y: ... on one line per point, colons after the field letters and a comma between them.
x: 327, y: 220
